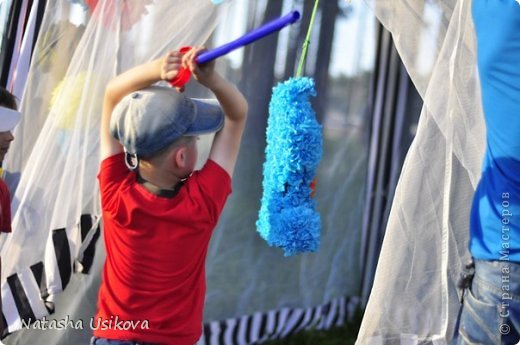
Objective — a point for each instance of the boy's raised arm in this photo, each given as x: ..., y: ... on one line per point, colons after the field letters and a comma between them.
x: 226, y: 144
x: 139, y: 77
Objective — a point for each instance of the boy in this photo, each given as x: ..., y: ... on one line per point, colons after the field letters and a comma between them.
x: 158, y: 219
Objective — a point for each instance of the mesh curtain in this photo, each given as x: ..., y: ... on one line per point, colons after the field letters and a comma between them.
x: 414, y: 297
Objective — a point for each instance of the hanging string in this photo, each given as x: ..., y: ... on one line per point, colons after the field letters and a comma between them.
x: 307, y: 41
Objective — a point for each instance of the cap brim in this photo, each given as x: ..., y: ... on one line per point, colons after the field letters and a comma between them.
x: 209, y: 117
x: 9, y: 118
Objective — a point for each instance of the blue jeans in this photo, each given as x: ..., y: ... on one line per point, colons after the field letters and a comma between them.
x: 491, y: 310
x: 104, y: 341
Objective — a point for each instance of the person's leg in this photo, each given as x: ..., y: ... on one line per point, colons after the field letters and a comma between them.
x: 514, y: 301
x: 491, y: 305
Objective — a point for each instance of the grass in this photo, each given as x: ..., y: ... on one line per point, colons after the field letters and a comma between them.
x: 343, y: 335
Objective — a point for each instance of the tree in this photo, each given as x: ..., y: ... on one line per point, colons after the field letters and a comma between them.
x: 329, y: 14
x: 295, y: 46
x: 256, y: 83
x: 258, y: 78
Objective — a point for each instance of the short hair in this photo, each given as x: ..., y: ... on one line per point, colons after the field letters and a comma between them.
x: 184, y: 140
x: 7, y: 99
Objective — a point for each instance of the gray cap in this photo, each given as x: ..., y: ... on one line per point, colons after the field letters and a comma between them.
x: 150, y: 119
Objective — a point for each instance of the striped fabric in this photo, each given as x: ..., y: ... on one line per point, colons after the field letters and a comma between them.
x: 278, y: 324
x: 28, y: 294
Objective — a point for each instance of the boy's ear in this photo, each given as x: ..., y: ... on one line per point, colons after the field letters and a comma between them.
x: 179, y: 157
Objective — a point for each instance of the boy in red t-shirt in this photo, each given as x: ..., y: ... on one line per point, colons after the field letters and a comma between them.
x: 9, y: 118
x: 158, y: 218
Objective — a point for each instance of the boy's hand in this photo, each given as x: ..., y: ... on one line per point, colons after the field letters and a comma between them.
x: 170, y: 65
x: 204, y: 74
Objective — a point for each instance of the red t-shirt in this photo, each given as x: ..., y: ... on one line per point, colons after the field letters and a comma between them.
x: 154, y: 281
x: 5, y: 207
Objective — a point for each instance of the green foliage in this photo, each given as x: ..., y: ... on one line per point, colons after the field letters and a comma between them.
x: 343, y: 335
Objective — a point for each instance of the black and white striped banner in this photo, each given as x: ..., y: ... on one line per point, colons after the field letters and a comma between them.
x: 278, y: 324
x: 28, y: 295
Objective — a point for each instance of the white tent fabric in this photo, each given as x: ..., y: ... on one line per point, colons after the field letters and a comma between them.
x: 414, y: 299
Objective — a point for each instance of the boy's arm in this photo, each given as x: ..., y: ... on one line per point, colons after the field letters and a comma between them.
x: 164, y: 68
x: 226, y: 144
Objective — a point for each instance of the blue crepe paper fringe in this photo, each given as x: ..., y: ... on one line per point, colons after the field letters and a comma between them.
x: 288, y: 217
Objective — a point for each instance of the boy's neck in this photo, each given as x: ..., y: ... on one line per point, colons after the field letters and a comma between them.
x: 157, y: 179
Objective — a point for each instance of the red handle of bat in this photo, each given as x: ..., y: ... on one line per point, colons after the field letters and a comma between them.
x: 184, y: 74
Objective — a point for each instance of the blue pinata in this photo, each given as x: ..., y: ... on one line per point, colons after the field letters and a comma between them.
x: 288, y: 217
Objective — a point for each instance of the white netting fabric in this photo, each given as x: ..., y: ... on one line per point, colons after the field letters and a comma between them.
x: 414, y: 298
